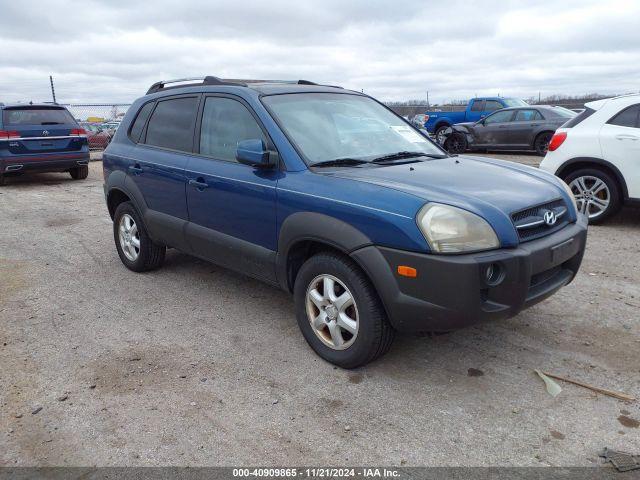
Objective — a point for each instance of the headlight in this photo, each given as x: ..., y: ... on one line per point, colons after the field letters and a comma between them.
x: 452, y: 230
x: 567, y: 189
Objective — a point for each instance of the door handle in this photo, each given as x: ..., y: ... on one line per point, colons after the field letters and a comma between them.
x: 627, y: 137
x: 535, y: 125
x: 198, y: 183
x: 135, y: 169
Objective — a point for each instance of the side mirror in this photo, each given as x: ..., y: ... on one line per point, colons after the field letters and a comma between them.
x: 254, y: 153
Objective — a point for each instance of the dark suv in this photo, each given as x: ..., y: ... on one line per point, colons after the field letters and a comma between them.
x: 41, y: 138
x: 328, y: 194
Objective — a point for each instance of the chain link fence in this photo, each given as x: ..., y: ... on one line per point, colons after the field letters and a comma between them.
x: 100, y: 120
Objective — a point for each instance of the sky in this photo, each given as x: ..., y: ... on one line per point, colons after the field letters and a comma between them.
x: 393, y: 50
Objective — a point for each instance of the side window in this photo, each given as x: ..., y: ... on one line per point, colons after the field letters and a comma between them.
x: 141, y: 119
x: 225, y: 122
x: 478, y: 106
x: 527, y: 116
x: 499, y: 117
x: 171, y: 125
x: 492, y: 105
x: 627, y: 117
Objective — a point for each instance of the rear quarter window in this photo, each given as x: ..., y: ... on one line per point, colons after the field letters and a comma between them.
x: 36, y: 116
x: 627, y: 117
x: 171, y: 124
x: 139, y: 122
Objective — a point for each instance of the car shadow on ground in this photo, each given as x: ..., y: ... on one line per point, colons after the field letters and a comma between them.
x: 53, y: 178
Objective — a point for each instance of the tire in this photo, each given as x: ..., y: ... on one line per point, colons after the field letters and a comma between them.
x: 601, y: 188
x: 79, y: 173
x: 373, y: 335
x: 541, y: 143
x: 439, y: 134
x: 455, y: 143
x: 148, y: 255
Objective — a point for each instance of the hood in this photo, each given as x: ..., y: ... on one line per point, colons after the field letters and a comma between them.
x: 491, y: 188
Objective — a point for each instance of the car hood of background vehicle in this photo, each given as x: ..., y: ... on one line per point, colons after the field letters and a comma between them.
x: 481, y: 185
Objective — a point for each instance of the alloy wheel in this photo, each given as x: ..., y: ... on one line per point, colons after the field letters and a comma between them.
x: 129, y: 237
x: 592, y: 195
x: 332, y: 312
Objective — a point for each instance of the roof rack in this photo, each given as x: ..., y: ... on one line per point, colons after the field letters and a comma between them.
x: 211, y: 80
x: 208, y: 80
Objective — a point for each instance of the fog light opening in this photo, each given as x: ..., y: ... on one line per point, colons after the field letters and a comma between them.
x: 493, y: 274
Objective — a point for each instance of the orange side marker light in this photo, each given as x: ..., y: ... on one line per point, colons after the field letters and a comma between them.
x: 405, y: 271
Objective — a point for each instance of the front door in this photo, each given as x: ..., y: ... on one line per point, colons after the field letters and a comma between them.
x: 232, y: 207
x: 492, y: 131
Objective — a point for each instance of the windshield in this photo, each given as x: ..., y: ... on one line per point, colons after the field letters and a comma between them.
x: 515, y: 102
x: 330, y: 126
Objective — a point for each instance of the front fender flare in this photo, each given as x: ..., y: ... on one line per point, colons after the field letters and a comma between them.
x: 317, y: 227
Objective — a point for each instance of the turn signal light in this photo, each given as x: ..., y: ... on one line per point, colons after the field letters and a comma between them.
x: 557, y: 140
x: 405, y: 271
x: 9, y: 134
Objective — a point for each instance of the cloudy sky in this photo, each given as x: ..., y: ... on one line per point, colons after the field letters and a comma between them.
x: 395, y: 50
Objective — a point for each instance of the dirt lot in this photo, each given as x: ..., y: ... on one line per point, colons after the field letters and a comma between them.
x: 195, y: 365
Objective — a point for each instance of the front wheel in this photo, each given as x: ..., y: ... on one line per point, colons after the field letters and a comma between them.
x: 596, y: 192
x: 339, y: 311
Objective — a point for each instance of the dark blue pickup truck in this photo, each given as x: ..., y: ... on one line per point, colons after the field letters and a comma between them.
x: 437, y: 122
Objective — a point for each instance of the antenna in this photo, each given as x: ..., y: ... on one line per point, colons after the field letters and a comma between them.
x: 53, y: 92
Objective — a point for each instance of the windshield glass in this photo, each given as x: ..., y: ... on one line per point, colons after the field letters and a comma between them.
x: 515, y: 102
x: 329, y: 126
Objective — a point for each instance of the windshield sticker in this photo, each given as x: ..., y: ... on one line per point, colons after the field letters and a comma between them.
x: 408, y: 134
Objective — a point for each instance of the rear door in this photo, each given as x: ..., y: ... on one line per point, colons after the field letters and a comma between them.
x: 232, y: 206
x: 521, y: 130
x: 620, y: 142
x: 41, y: 129
x: 476, y: 111
x: 157, y: 163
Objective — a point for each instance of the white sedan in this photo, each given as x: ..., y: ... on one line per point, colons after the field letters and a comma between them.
x: 597, y: 154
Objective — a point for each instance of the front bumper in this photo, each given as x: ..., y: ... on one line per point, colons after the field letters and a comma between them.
x: 451, y: 291
x: 43, y: 163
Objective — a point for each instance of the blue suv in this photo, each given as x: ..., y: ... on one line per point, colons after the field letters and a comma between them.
x: 41, y: 138
x: 331, y: 196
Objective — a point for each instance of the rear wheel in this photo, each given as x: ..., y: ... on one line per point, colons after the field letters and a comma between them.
x: 136, y: 250
x: 439, y: 133
x: 541, y: 144
x: 339, y: 311
x: 80, y: 173
x: 597, y: 193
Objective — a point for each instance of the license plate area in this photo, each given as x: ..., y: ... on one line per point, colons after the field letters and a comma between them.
x: 562, y: 252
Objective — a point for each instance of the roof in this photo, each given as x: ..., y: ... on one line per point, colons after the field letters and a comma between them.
x: 33, y: 105
x: 263, y: 87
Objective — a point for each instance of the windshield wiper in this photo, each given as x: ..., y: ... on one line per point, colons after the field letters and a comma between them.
x: 339, y: 162
x: 403, y: 155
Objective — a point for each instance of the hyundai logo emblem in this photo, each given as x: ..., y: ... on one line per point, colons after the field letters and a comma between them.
x: 45, y: 133
x: 550, y: 217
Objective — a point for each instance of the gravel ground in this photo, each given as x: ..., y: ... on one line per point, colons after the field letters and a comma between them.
x: 196, y: 365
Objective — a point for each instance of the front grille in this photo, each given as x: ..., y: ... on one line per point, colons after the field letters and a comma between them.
x: 530, y: 222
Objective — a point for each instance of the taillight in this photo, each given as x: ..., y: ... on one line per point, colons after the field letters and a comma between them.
x: 426, y: 118
x: 9, y: 134
x: 78, y: 132
x: 557, y: 140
